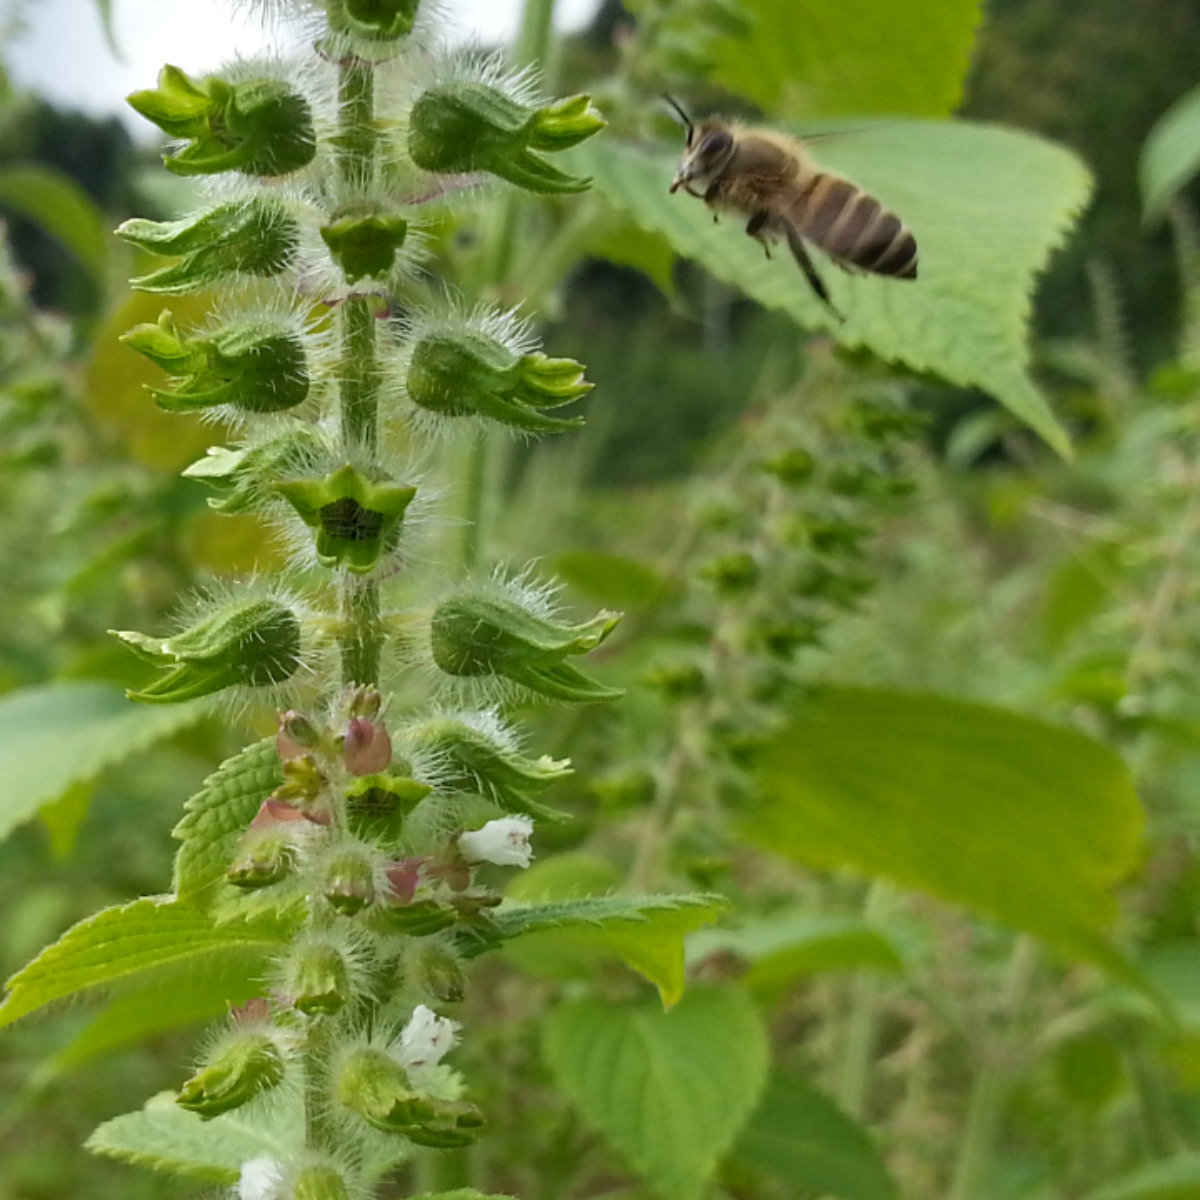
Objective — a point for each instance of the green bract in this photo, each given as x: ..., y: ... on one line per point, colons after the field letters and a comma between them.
x: 319, y: 980
x: 356, y: 521
x: 251, y: 642
x: 470, y: 126
x: 481, y: 634
x: 257, y: 366
x: 258, y: 126
x: 469, y: 374
x: 365, y: 247
x: 376, y: 1087
x: 470, y: 760
x: 246, y: 1065
x: 256, y: 237
x: 320, y: 1183
x: 244, y: 478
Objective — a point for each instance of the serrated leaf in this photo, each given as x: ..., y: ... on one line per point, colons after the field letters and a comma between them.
x: 802, y: 1138
x: 62, y: 735
x: 644, y: 932
x: 177, y: 1000
x: 668, y: 1091
x: 1173, y: 1179
x: 57, y: 204
x: 217, y: 816
x: 164, y: 1137
x: 780, y: 949
x: 1171, y: 155
x: 807, y: 58
x: 117, y: 945
x: 982, y: 242
x: 1026, y: 822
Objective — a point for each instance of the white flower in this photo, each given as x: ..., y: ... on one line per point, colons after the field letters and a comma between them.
x: 427, y: 1038
x: 504, y: 842
x: 261, y: 1179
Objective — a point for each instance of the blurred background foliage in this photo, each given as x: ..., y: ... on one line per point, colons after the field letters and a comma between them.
x: 946, y: 549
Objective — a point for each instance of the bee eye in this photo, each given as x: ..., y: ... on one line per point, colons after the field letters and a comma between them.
x: 715, y: 144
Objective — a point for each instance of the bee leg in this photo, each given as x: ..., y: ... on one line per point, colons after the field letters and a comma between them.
x: 796, y: 245
x: 754, y: 229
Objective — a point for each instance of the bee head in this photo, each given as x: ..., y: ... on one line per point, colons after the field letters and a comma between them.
x: 708, y: 151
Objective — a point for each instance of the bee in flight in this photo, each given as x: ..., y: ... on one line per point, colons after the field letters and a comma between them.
x: 770, y: 178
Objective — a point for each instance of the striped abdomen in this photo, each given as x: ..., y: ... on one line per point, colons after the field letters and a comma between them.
x: 852, y: 227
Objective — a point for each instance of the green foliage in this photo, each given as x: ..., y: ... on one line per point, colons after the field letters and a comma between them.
x: 1172, y: 1179
x: 1018, y: 819
x: 799, y: 1136
x: 60, y: 736
x: 1171, y: 155
x: 61, y: 207
x: 669, y: 1091
x: 165, y: 1137
x: 982, y: 243
x: 218, y: 815
x: 801, y: 59
x: 646, y: 933
x: 125, y: 944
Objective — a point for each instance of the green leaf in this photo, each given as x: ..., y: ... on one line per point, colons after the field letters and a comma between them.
x: 982, y: 241
x: 1171, y: 155
x: 62, y: 735
x: 217, y: 816
x: 1172, y: 1179
x: 806, y: 58
x: 117, y: 945
x: 1024, y: 821
x: 61, y: 207
x: 164, y: 1137
x: 802, y: 1138
x: 63, y: 816
x: 176, y: 1000
x: 669, y: 1091
x: 780, y: 949
x: 644, y: 932
x: 461, y: 1194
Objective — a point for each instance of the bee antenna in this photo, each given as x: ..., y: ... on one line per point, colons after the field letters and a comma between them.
x: 687, y: 121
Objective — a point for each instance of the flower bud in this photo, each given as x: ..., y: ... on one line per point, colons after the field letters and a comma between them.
x: 472, y: 126
x: 366, y: 748
x: 504, y: 842
x: 319, y: 979
x: 296, y: 735
x: 481, y: 634
x: 356, y: 521
x: 466, y: 373
x: 365, y: 247
x: 441, y: 974
x: 379, y: 20
x: 250, y: 642
x: 268, y: 858
x: 253, y: 237
x: 245, y: 1065
x: 320, y: 1182
x: 469, y: 758
x: 349, y: 883
x: 245, y: 478
x: 360, y: 700
x: 257, y: 126
x: 256, y: 367
x: 377, y: 1088
x: 261, y: 1179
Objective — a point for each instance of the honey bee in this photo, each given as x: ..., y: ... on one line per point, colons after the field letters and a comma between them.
x: 770, y: 178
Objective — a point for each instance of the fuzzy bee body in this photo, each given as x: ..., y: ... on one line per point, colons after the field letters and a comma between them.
x: 770, y: 179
